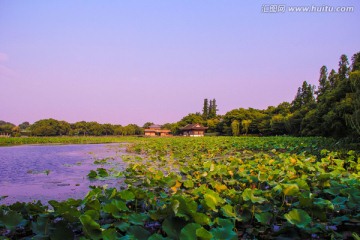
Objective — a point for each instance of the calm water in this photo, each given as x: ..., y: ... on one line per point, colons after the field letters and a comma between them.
x: 45, y: 172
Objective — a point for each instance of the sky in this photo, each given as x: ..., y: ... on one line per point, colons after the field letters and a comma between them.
x: 123, y: 61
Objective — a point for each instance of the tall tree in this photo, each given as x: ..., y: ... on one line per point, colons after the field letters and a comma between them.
x: 355, y: 66
x: 343, y: 71
x: 297, y: 102
x: 205, y: 112
x: 212, y: 108
x: 353, y: 119
x: 304, y: 102
x: 323, y: 82
x: 332, y: 78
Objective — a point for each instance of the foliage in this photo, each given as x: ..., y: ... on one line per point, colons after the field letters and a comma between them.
x: 235, y: 128
x: 209, y: 188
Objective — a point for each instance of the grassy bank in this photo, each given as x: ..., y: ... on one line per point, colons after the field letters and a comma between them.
x: 64, y: 140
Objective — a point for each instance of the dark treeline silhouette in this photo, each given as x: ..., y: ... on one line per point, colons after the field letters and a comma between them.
x: 332, y: 109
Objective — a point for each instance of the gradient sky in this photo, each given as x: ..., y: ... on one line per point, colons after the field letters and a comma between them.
x: 156, y: 60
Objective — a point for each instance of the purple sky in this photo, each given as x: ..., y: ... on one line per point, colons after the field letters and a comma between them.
x: 156, y: 60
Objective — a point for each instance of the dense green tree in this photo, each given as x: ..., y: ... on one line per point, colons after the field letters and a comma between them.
x: 173, y: 127
x: 304, y: 102
x: 355, y: 66
x: 332, y: 78
x: 245, y: 124
x: 147, y: 125
x: 108, y: 129
x: 213, y: 125
x: 50, y: 127
x: 337, y: 102
x: 94, y: 128
x: 132, y: 129
x: 118, y: 130
x: 277, y: 124
x: 235, y: 127
x: 24, y: 125
x: 80, y: 128
x: 343, y: 71
x: 324, y: 84
x: 353, y: 118
x: 6, y: 127
x: 205, y: 112
x: 191, y: 118
x: 212, y: 109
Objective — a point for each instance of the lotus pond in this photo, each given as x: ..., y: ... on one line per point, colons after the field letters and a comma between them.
x: 208, y: 188
x: 46, y: 172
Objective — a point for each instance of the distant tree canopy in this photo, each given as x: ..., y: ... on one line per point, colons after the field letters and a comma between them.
x: 52, y: 127
x: 331, y: 110
x: 6, y: 127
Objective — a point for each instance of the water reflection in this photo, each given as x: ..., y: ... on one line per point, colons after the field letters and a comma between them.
x: 45, y: 172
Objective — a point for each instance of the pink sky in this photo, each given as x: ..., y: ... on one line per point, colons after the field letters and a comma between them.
x: 137, y: 61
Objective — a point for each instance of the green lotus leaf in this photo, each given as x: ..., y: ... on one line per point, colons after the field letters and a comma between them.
x: 122, y: 226
x: 248, y: 195
x: 61, y: 230
x: 201, y: 218
x: 172, y: 227
x: 339, y: 220
x: 290, y: 189
x: 189, y: 184
x: 339, y: 200
x: 91, y: 228
x: 93, y: 204
x: 127, y: 195
x: 203, y: 234
x: 138, y: 232
x: 157, y: 236
x: 102, y: 172
x: 224, y: 231
x: 302, y: 184
x: 138, y: 218
x: 323, y: 203
x: 212, y: 200
x: 183, y: 206
x: 175, y: 206
x: 92, y: 174
x: 298, y: 217
x: 10, y: 219
x: 112, y: 209
x: 40, y: 227
x: 189, y: 231
x: 93, y: 214
x: 120, y: 205
x: 110, y: 234
x: 264, y: 218
x: 228, y: 211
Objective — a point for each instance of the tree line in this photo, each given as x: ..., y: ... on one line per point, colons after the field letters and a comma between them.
x: 332, y: 109
x: 53, y: 127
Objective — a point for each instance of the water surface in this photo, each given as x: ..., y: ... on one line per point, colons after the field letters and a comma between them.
x: 44, y: 172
